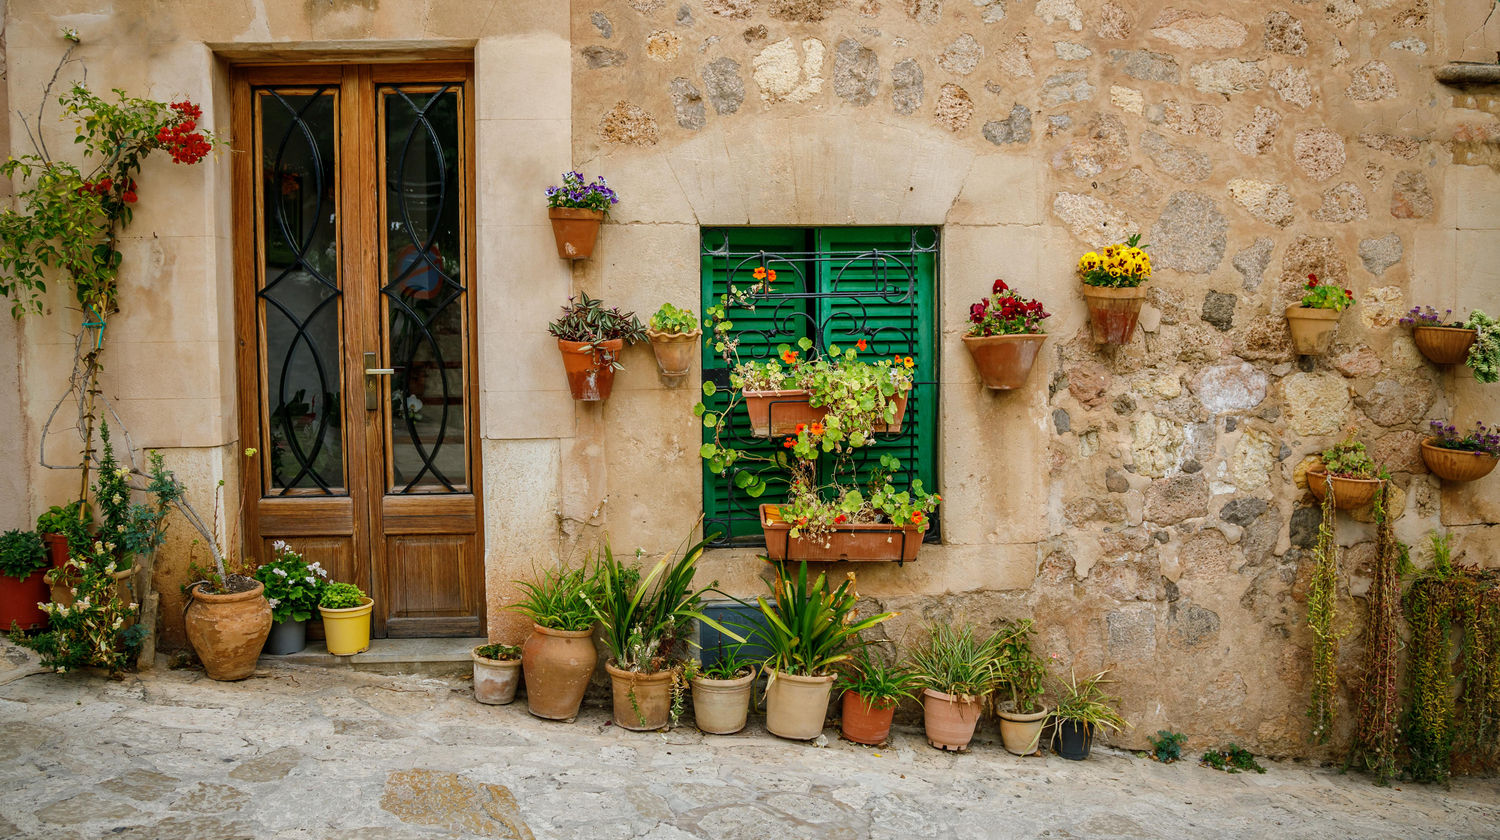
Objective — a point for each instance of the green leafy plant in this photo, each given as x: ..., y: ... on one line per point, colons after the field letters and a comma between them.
x: 880, y: 682
x: 1120, y: 266
x: 131, y: 530
x: 1022, y: 671
x: 74, y: 520
x: 1348, y: 459
x: 1232, y: 759
x: 959, y: 661
x: 811, y: 627
x: 561, y: 599
x: 22, y: 553
x: 1326, y: 295
x: 731, y: 664
x: 1166, y: 746
x: 673, y: 321
x: 341, y: 596
x: 814, y: 514
x: 585, y: 319
x: 1484, y: 353
x: 498, y: 653
x: 293, y: 587
x: 1086, y: 703
x: 92, y: 631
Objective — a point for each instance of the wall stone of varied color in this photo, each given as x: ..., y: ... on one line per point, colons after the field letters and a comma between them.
x: 1144, y: 505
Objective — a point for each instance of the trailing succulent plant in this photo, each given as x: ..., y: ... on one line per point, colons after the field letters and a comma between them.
x: 1484, y: 353
x: 1349, y: 459
x: 585, y: 319
x: 1322, y: 607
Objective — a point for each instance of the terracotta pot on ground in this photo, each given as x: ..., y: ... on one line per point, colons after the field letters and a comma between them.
x: 590, y: 367
x: 19, y: 599
x: 674, y: 353
x: 859, y: 542
x: 557, y: 665
x: 643, y: 702
x: 1312, y: 329
x: 1453, y: 464
x: 777, y: 413
x: 796, y: 706
x: 286, y: 637
x: 495, y: 680
x: 950, y: 719
x: 720, y: 707
x: 1348, y: 493
x: 57, y: 549
x: 228, y: 631
x: 1022, y: 733
x: 576, y: 230
x: 346, y: 632
x: 1113, y: 312
x: 1073, y: 740
x: 62, y: 586
x: 1444, y: 345
x: 863, y: 723
x: 1004, y: 361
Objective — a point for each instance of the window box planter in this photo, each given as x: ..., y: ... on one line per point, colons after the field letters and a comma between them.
x: 1455, y: 464
x: 1348, y: 493
x: 576, y: 230
x: 1444, y: 345
x: 674, y: 352
x: 1312, y: 329
x: 859, y: 542
x: 1004, y: 361
x: 777, y: 413
x: 590, y: 367
x: 1113, y: 312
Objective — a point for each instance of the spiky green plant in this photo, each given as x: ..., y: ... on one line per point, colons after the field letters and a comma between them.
x: 959, y: 660
x: 810, y: 627
x: 880, y: 682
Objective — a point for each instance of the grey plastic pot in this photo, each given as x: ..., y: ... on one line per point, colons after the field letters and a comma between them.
x: 286, y: 637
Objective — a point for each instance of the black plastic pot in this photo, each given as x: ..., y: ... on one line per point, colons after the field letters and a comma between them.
x: 1073, y: 740
x: 286, y: 637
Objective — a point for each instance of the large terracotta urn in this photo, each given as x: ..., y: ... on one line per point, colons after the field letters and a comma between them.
x: 556, y: 665
x: 228, y: 631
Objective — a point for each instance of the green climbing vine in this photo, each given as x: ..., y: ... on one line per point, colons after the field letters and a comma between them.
x: 1322, y: 601
x: 1376, y: 724
x: 1429, y: 723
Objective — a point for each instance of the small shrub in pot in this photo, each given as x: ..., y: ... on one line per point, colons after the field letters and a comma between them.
x: 958, y: 669
x: 873, y: 686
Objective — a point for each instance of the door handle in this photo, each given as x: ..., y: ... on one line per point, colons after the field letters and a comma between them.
x: 372, y: 384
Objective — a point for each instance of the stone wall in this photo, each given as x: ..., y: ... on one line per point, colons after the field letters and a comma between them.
x: 1145, y: 505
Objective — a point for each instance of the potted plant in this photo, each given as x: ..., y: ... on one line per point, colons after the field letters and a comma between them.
x: 1455, y: 457
x: 590, y: 339
x: 577, y: 209
x: 558, y: 657
x: 958, y: 670
x: 1352, y: 474
x: 1022, y: 716
x: 293, y: 588
x: 497, y: 671
x: 1112, y: 289
x: 721, y: 692
x: 836, y: 391
x: 1484, y: 353
x: 1083, y: 708
x: 1442, y: 342
x: 23, y: 559
x: 1314, y: 320
x: 674, y: 339
x: 346, y: 618
x: 646, y: 622
x: 809, y: 628
x: 825, y: 523
x: 58, y: 522
x: 872, y: 689
x: 93, y: 629
x: 1005, y: 334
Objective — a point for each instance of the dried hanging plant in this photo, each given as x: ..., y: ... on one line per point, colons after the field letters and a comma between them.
x: 1376, y: 723
x: 1321, y: 610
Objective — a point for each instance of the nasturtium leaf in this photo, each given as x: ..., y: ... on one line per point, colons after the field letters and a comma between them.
x: 805, y: 343
x: 743, y: 479
x: 709, y: 389
x: 708, y: 450
x: 710, y: 419
x: 699, y: 408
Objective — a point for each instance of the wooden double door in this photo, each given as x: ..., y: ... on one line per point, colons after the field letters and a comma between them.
x: 354, y: 229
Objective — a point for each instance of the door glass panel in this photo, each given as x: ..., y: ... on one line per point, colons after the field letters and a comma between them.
x: 423, y: 289
x: 299, y: 297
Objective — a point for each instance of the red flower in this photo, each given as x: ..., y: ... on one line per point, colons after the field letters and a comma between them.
x: 128, y: 196
x: 861, y: 344
x: 1313, y: 278
x: 840, y: 519
x: 976, y: 312
x: 1348, y: 293
x: 788, y: 443
x: 999, y: 287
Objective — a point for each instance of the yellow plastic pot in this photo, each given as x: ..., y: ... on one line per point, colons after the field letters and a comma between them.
x: 347, y: 630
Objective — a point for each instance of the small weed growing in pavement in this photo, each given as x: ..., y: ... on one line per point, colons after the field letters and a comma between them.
x: 1232, y: 759
x: 1166, y: 747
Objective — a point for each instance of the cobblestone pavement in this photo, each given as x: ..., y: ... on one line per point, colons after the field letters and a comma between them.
x: 299, y: 752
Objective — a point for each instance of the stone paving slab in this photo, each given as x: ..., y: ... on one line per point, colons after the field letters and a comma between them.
x: 305, y: 752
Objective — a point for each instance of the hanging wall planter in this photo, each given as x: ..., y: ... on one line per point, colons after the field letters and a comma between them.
x: 1444, y: 345
x: 1314, y: 321
x: 674, y: 353
x: 1005, y: 336
x: 590, y: 367
x: 859, y: 542
x: 1113, y: 313
x: 1348, y: 493
x: 576, y: 209
x: 590, y: 338
x: 1467, y: 457
x: 1112, y: 281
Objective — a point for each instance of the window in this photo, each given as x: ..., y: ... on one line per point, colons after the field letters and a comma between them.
x: 834, y: 286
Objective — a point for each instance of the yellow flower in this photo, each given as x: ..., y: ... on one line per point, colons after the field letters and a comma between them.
x: 1089, y: 261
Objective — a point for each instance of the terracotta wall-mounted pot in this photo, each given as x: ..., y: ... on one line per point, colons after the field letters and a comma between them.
x: 1444, y: 345
x: 796, y: 706
x: 1113, y: 313
x: 863, y: 723
x: 720, y: 707
x: 590, y: 367
x: 949, y: 719
x: 1453, y: 464
x: 859, y: 542
x: 576, y: 230
x: 674, y: 353
x: 557, y: 665
x: 1348, y: 493
x: 777, y: 413
x: 228, y: 631
x: 1004, y: 361
x: 1312, y: 329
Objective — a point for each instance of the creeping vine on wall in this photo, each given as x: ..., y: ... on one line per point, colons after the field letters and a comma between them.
x: 1377, y: 712
x: 1321, y: 610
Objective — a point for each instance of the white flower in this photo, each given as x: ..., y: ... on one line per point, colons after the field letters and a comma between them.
x: 132, y: 606
x: 109, y: 546
x: 279, y: 571
x: 278, y: 545
x: 310, y: 579
x: 120, y: 528
x: 117, y: 499
x: 274, y: 602
x: 122, y: 472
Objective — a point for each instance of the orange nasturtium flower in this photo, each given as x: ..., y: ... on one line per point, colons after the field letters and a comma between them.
x: 916, y: 518
x: 861, y: 344
x: 789, y: 443
x: 817, y: 429
x: 759, y: 273
x: 908, y: 362
x: 789, y: 356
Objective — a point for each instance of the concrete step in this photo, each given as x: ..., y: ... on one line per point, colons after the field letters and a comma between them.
x: 391, y: 656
